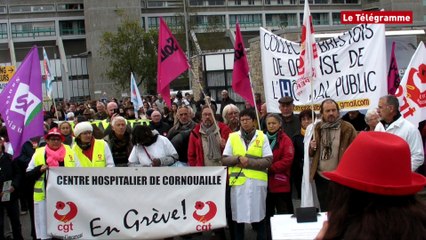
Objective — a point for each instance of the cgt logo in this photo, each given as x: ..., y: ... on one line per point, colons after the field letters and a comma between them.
x: 65, y: 214
x: 203, y: 213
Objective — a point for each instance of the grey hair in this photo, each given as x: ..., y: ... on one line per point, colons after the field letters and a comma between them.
x: 276, y: 116
x: 226, y: 110
x: 117, y: 118
x: 370, y: 112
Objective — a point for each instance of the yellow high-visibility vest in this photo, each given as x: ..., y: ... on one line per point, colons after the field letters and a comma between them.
x: 98, y: 156
x: 39, y: 159
x: 237, y: 175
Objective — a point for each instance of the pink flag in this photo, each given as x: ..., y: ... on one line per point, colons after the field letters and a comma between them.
x: 171, y: 63
x: 240, y: 75
x: 307, y: 58
x: 393, y: 75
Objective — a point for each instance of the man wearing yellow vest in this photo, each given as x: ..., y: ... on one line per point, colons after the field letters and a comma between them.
x: 90, y: 151
x: 248, y: 156
x: 54, y: 154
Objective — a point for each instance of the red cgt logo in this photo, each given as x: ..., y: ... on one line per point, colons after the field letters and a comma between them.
x: 200, y: 208
x: 68, y: 216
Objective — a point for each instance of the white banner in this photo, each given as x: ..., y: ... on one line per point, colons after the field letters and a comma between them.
x: 411, y: 92
x: 134, y: 203
x: 351, y: 69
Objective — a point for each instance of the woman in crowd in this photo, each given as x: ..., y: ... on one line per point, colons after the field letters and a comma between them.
x: 373, y: 192
x: 151, y: 149
x: 119, y: 141
x: 305, y: 118
x: 54, y: 154
x: 372, y: 119
x: 231, y: 115
x: 90, y: 151
x: 278, y: 199
x: 66, y: 131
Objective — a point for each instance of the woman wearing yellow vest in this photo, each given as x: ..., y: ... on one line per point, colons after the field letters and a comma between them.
x: 54, y: 154
x: 90, y: 151
x: 248, y: 156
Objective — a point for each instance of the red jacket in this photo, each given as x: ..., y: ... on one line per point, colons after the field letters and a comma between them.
x: 195, y: 148
x: 279, y: 172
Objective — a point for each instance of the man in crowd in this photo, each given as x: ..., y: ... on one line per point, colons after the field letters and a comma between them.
x: 332, y: 137
x: 357, y: 119
x: 393, y: 122
x: 179, y: 133
x: 157, y: 123
x: 225, y: 100
x: 206, y: 144
x: 291, y: 123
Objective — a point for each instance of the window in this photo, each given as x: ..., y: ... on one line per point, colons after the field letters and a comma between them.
x: 33, y: 29
x: 29, y: 8
x: 196, y: 2
x: 3, y: 9
x: 73, y: 27
x: 216, y: 2
x: 209, y: 22
x: 70, y: 7
x: 336, y: 18
x: 3, y: 30
x: 281, y: 20
x: 338, y: 1
x: 246, y: 20
x: 320, y: 19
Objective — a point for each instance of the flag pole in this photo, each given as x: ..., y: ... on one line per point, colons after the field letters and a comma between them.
x: 254, y: 100
x: 205, y: 97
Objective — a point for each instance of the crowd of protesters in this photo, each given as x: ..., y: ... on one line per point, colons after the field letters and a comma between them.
x: 196, y: 133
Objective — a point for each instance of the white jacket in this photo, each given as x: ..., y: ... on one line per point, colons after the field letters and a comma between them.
x: 406, y: 130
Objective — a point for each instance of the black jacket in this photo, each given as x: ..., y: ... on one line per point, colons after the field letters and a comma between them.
x: 9, y: 170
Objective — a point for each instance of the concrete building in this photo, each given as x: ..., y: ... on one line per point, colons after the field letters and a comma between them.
x: 71, y: 30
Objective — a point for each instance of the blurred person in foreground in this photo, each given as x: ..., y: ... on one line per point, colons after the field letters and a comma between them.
x: 373, y: 192
x: 10, y: 181
x: 54, y: 154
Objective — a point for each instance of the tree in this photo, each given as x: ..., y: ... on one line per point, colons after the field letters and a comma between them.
x: 131, y: 49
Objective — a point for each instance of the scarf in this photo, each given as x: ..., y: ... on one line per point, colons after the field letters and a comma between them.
x: 302, y: 131
x: 55, y: 156
x: 327, y: 139
x: 272, y: 137
x: 247, y: 136
x: 214, y: 152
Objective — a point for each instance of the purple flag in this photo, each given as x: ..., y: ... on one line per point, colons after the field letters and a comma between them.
x: 393, y: 75
x: 21, y: 102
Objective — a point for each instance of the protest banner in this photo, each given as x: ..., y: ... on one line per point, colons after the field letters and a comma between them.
x: 134, y: 203
x: 351, y: 69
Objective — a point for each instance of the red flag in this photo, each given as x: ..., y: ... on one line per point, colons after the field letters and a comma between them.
x: 393, y: 75
x: 171, y: 63
x: 240, y: 74
x: 307, y: 57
